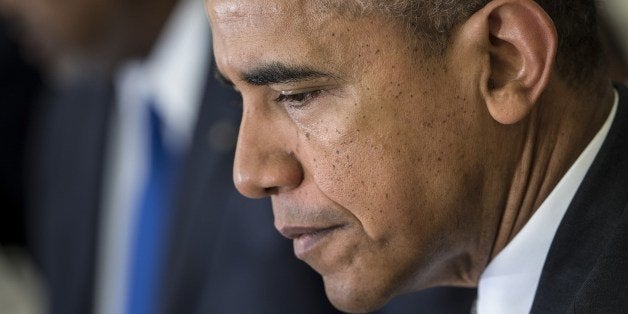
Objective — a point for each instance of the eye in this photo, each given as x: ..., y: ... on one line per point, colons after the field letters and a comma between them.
x: 297, y: 100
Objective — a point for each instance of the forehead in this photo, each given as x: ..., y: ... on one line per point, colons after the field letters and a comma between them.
x: 249, y: 31
x: 260, y: 15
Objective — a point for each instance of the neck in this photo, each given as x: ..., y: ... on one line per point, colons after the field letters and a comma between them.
x: 555, y: 134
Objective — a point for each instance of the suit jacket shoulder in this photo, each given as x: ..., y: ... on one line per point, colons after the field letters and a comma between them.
x: 586, y: 270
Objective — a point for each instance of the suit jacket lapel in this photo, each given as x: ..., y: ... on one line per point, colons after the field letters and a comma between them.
x: 592, y: 220
x: 67, y: 158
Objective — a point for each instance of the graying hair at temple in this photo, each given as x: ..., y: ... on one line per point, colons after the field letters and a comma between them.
x: 579, y: 55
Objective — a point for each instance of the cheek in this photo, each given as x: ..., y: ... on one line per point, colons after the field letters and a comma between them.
x: 393, y: 176
x: 363, y: 175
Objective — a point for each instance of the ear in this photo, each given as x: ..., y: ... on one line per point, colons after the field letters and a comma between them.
x: 521, y: 41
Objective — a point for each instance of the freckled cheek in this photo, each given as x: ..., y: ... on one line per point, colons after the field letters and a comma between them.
x: 365, y: 179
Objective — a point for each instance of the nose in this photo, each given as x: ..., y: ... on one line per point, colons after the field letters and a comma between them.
x: 264, y: 163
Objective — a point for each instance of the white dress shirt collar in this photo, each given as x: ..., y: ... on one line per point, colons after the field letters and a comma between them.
x: 509, y: 282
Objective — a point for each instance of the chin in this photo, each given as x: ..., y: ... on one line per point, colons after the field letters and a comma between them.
x: 357, y: 297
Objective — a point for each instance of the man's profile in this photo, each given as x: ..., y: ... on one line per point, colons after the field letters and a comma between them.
x: 417, y: 143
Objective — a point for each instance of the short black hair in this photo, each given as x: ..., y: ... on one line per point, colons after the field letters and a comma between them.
x: 579, y: 58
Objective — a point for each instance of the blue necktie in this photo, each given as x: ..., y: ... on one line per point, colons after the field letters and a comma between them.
x: 151, y: 226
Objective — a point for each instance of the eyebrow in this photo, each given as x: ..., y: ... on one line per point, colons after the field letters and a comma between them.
x: 275, y: 73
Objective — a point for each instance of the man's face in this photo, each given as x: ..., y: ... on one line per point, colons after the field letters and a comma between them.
x: 366, y: 148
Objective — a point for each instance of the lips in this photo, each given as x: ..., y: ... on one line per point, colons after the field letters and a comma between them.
x: 306, y: 239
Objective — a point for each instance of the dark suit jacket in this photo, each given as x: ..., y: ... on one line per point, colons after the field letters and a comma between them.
x: 224, y: 255
x: 586, y: 270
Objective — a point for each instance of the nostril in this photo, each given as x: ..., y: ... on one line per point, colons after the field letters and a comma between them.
x: 271, y: 190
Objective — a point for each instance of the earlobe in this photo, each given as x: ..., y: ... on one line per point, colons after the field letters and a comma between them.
x: 522, y: 42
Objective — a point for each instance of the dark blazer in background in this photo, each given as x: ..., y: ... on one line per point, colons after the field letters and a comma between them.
x: 586, y: 270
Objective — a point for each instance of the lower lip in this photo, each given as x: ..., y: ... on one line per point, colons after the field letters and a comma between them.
x: 307, y: 243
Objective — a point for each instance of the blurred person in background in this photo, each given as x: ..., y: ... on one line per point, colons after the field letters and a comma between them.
x: 131, y: 201
x: 20, y: 290
x: 133, y: 209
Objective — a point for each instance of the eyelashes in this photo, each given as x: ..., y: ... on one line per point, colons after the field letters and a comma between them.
x: 298, y: 100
